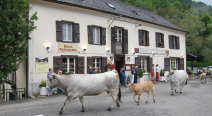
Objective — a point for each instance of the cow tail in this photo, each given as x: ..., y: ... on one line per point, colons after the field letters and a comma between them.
x: 119, y: 94
x: 186, y: 82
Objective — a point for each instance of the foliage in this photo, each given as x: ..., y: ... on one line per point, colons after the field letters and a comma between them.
x: 140, y: 73
x: 15, y: 26
x: 199, y: 64
x: 111, y: 66
x: 68, y: 73
x: 42, y: 83
x: 162, y: 71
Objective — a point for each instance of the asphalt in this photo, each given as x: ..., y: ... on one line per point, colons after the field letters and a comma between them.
x: 194, y: 101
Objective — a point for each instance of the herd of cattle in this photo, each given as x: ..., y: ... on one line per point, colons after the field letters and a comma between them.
x: 79, y: 85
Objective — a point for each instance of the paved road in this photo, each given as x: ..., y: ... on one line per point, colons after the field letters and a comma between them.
x: 196, y: 100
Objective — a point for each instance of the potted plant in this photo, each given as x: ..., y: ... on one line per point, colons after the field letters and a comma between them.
x: 42, y: 86
x: 140, y: 74
x: 111, y: 66
x: 162, y: 71
x: 68, y: 73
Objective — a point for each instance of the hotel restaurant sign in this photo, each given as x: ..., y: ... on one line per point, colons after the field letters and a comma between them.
x: 149, y: 51
x: 67, y: 48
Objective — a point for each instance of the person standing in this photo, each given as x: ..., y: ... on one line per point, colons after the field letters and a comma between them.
x: 48, y: 76
x: 135, y: 74
x: 157, y: 72
x: 152, y: 73
x: 59, y: 91
x: 132, y: 72
x: 121, y: 71
x: 124, y: 78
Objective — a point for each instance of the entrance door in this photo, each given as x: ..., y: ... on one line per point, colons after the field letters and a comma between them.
x: 119, y: 61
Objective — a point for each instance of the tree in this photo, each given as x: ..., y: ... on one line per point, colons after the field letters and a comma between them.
x: 15, y: 26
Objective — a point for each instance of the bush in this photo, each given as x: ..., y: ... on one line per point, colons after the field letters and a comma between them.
x: 162, y: 72
x: 140, y: 73
x: 42, y: 84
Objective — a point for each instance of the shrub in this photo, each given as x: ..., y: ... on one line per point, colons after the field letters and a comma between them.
x: 42, y: 83
x: 162, y: 72
x: 140, y: 73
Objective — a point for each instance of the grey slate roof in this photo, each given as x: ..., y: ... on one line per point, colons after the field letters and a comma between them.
x: 121, y: 8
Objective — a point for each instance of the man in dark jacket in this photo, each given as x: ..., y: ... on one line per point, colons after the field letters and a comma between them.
x: 91, y: 70
x: 136, y: 74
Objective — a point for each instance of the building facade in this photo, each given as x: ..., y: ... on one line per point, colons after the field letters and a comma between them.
x: 73, y: 35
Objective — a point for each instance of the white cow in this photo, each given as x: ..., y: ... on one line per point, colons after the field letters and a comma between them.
x: 210, y: 73
x: 202, y: 77
x: 79, y: 85
x: 176, y: 78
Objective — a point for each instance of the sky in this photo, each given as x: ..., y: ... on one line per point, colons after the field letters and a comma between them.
x: 208, y: 2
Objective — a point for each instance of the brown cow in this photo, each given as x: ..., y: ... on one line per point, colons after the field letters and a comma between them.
x: 139, y: 88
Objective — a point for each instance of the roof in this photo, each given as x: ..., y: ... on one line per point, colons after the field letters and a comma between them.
x: 120, y: 8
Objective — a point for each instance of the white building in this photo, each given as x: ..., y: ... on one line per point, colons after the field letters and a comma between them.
x: 83, y: 33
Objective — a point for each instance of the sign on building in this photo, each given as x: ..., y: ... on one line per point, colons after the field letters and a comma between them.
x: 67, y: 48
x: 41, y: 64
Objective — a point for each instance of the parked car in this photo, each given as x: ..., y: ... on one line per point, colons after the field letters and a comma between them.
x: 209, y: 67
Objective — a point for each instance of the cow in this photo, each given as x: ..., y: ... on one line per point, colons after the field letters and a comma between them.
x: 202, y: 77
x: 139, y: 88
x: 79, y: 85
x: 210, y: 73
x: 176, y: 78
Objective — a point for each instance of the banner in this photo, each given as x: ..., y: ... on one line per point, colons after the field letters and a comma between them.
x: 67, y: 48
x: 41, y: 65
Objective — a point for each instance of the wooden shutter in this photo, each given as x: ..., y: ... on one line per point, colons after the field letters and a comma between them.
x: 89, y: 63
x: 149, y: 68
x: 157, y: 39
x: 103, y: 36
x: 125, y: 41
x: 167, y: 64
x: 90, y: 34
x: 104, y: 64
x: 80, y: 65
x: 170, y: 42
x: 57, y: 63
x: 147, y: 38
x: 180, y: 63
x: 140, y: 37
x: 59, y: 29
x: 163, y: 43
x: 178, y: 43
x: 113, y: 38
x: 137, y: 59
x: 76, y: 32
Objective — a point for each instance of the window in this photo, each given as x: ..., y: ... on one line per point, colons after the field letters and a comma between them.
x: 119, y: 40
x: 96, y: 35
x: 143, y: 62
x: 174, y: 63
x: 68, y: 64
x: 174, y: 42
x: 67, y: 32
x: 118, y: 34
x: 159, y: 40
x: 97, y: 63
x: 143, y: 37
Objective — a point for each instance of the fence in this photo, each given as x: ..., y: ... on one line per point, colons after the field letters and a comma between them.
x: 14, y: 94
